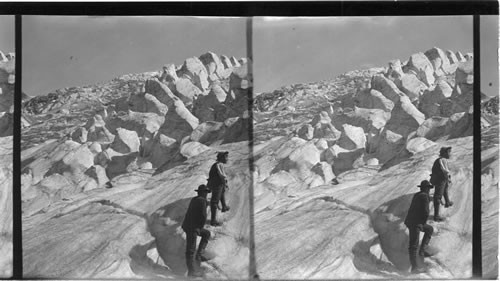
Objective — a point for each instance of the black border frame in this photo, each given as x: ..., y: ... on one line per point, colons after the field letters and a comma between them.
x: 249, y: 9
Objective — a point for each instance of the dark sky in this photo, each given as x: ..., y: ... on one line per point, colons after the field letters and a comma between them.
x: 61, y: 51
x: 7, y: 36
x: 294, y: 50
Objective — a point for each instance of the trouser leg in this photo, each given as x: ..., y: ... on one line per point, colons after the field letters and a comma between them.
x: 413, y: 246
x: 447, y: 200
x: 445, y: 193
x: 190, y: 250
x: 438, y: 194
x: 428, y: 230
x: 223, y: 200
x: 437, y: 206
x: 213, y: 212
x: 205, y: 235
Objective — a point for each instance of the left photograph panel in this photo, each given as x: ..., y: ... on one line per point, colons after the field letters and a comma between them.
x: 135, y: 147
x: 7, y: 80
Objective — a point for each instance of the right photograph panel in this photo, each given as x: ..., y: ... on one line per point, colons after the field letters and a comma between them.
x: 363, y: 147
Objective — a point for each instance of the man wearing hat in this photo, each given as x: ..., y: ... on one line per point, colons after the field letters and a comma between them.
x: 416, y: 221
x: 193, y: 224
x: 217, y: 182
x: 441, y: 178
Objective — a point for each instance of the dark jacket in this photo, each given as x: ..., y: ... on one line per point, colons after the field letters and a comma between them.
x: 419, y: 209
x: 196, y: 214
x: 439, y: 175
x: 215, y: 179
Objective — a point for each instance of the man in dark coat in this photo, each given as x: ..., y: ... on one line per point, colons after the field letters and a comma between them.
x: 193, y: 224
x: 416, y: 221
x: 441, y: 178
x: 217, y: 183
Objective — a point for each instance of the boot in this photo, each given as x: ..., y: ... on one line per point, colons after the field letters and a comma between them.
x: 413, y: 261
x: 213, y: 220
x: 448, y: 202
x: 417, y: 270
x: 201, y: 251
x: 195, y: 274
x: 225, y: 209
x: 191, y: 269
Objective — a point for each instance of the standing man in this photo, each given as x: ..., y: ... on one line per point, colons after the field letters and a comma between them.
x: 193, y: 224
x: 441, y: 178
x: 416, y: 221
x: 217, y: 182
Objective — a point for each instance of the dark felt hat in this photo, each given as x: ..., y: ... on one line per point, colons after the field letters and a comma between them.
x: 221, y: 154
x: 443, y: 150
x: 425, y: 183
x: 202, y: 188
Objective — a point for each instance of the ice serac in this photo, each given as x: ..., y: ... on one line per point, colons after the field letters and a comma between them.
x: 240, y: 84
x: 370, y: 120
x: 460, y: 56
x: 306, y: 132
x: 389, y: 145
x: 6, y: 124
x: 352, y: 137
x: 405, y: 117
x: 452, y: 57
x: 3, y: 58
x: 439, y: 61
x: 160, y: 91
x: 464, y: 76
x: 411, y: 86
x: 370, y: 98
x: 386, y: 87
x: 432, y: 98
x: 214, y: 65
x: 179, y: 122
x: 235, y: 62
x: 226, y: 61
x: 422, y: 67
x: 145, y: 124
x: 125, y: 141
x: 186, y: 91
x: 194, y: 69
x: 395, y: 70
x: 169, y: 74
x: 145, y: 102
x: 323, y: 127
x: 210, y: 107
